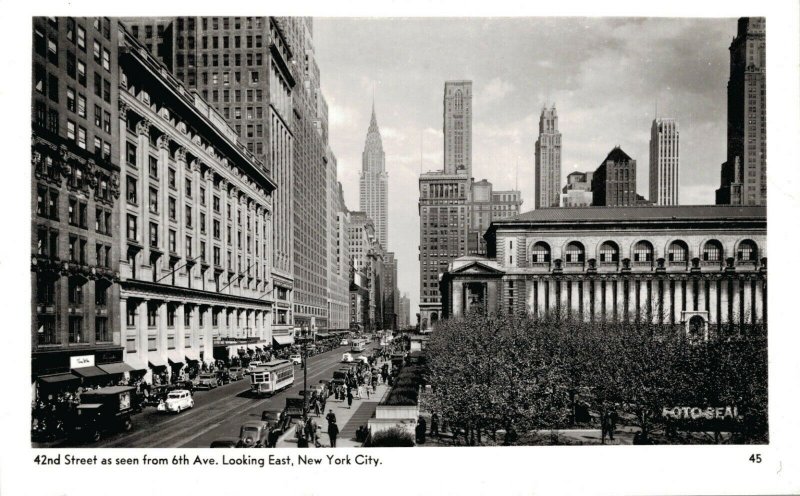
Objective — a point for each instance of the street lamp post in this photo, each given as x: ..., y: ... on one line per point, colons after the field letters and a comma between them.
x: 305, y: 378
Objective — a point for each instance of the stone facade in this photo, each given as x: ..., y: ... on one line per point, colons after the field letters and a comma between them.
x: 197, y: 217
x: 661, y: 264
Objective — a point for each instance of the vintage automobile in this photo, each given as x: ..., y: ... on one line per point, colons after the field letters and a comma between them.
x: 362, y: 359
x: 344, y: 342
x: 294, y: 407
x: 339, y: 377
x: 347, y: 358
x: 296, y: 359
x: 223, y: 377
x: 207, y: 381
x: 224, y: 443
x: 187, y: 385
x: 236, y: 373
x: 277, y: 419
x: 177, y: 401
x: 253, y: 434
x: 106, y: 409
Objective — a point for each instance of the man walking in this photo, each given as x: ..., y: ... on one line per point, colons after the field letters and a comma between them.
x: 349, y: 398
x: 333, y: 430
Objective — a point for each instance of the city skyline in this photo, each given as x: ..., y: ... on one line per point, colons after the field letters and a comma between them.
x: 507, y: 101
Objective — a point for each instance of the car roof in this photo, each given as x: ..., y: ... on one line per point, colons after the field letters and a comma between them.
x: 253, y: 423
x: 179, y: 391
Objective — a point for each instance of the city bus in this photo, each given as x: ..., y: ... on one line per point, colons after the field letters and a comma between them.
x: 358, y: 345
x: 272, y: 377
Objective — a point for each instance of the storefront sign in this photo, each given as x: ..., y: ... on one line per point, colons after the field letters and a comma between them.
x: 76, y: 362
x: 700, y: 413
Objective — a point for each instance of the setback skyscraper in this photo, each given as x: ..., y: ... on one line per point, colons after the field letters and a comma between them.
x: 458, y: 127
x: 548, y: 160
x: 743, y: 178
x: 373, y: 190
x: 664, y: 162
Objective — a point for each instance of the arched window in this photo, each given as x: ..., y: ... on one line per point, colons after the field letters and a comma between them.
x: 678, y: 252
x: 540, y: 253
x: 574, y: 253
x: 643, y: 252
x: 747, y: 251
x: 712, y: 251
x: 609, y: 253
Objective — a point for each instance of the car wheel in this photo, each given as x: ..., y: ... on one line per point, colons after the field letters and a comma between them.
x: 178, y: 410
x: 95, y: 435
x: 126, y: 425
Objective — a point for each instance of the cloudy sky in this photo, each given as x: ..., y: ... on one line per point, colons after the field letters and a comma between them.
x: 605, y: 77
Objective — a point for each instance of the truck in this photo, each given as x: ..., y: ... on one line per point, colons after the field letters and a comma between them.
x: 102, y: 410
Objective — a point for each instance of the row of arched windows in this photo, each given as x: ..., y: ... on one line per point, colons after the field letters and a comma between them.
x: 644, y: 253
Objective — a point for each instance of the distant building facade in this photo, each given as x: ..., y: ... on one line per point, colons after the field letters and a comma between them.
x: 444, y: 229
x: 578, y: 190
x: 664, y: 162
x: 486, y: 206
x: 404, y: 313
x: 743, y: 177
x: 548, y: 160
x: 702, y: 265
x: 614, y: 182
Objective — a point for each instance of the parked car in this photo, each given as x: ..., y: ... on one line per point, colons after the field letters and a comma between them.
x: 253, y: 434
x: 277, y: 419
x: 362, y: 359
x: 294, y: 407
x: 347, y: 358
x: 224, y: 443
x: 101, y: 410
x: 177, y: 401
x: 207, y: 381
x: 187, y: 385
x: 223, y: 377
x: 344, y: 342
x: 296, y: 359
x: 236, y: 373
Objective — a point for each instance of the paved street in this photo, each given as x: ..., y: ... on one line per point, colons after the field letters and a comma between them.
x: 217, y: 413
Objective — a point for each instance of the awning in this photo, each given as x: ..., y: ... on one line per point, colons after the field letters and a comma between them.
x: 323, y: 335
x: 283, y: 340
x: 91, y: 371
x: 132, y: 359
x: 191, y: 355
x: 156, y: 360
x: 57, y: 378
x: 175, y: 357
x: 116, y: 368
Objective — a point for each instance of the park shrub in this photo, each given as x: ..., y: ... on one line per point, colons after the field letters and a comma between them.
x: 394, y: 437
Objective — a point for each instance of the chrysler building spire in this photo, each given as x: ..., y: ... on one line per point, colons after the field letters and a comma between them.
x: 373, y: 181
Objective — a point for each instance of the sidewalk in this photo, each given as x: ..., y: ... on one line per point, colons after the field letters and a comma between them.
x: 348, y: 419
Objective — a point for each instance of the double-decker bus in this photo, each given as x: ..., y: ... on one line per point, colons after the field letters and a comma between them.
x: 358, y: 345
x: 272, y: 377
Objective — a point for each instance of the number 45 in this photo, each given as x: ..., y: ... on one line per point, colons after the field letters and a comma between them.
x: 755, y: 458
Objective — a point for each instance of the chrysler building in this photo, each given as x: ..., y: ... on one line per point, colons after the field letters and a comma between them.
x: 373, y: 191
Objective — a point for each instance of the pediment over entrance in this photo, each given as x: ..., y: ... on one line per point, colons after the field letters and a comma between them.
x: 477, y: 268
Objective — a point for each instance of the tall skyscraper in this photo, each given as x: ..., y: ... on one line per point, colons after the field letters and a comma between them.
x: 664, y: 162
x: 548, y: 160
x: 743, y: 178
x: 373, y: 190
x: 458, y: 127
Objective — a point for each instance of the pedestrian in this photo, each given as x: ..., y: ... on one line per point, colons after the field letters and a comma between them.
x: 612, y: 423
x: 435, y: 425
x: 300, y: 434
x: 423, y: 427
x: 333, y: 430
x: 605, y: 427
x: 331, y: 417
x: 349, y: 398
x: 316, y: 407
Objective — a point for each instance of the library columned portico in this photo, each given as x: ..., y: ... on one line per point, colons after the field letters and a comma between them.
x: 661, y: 264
